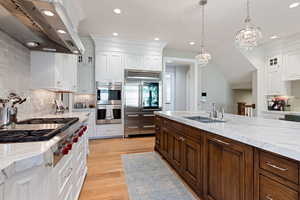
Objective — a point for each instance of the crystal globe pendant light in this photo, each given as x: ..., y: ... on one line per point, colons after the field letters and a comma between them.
x: 204, y: 57
x: 248, y: 37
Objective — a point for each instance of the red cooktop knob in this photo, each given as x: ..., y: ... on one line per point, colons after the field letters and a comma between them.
x: 69, y: 146
x: 75, y: 140
x: 65, y: 151
x: 80, y: 133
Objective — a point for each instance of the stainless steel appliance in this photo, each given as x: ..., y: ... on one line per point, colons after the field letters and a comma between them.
x: 109, y: 114
x: 109, y: 93
x: 40, y: 25
x: 143, y: 96
x: 109, y: 103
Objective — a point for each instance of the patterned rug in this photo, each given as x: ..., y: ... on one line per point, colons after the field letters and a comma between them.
x: 149, y: 178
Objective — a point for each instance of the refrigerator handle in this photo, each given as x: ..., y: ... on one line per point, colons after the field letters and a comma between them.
x: 140, y: 96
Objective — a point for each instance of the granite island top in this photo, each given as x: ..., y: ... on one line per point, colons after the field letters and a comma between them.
x: 277, y: 136
x: 17, y: 157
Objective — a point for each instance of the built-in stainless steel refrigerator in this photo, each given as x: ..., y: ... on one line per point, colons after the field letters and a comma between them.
x: 143, y: 96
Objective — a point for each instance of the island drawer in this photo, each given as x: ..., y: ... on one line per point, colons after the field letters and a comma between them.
x: 174, y: 126
x: 279, y: 166
x: 272, y: 190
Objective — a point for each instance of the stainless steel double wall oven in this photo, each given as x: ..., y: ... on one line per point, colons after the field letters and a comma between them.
x: 143, y: 96
x: 109, y: 103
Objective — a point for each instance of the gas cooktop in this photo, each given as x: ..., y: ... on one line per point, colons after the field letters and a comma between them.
x: 33, y: 130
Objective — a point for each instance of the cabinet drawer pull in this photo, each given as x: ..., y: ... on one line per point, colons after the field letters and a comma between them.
x: 132, y: 127
x: 149, y: 115
x: 132, y: 115
x: 222, y: 142
x: 276, y: 167
x: 150, y: 126
x: 269, y: 197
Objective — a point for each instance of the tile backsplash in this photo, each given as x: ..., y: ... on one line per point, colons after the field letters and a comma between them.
x: 15, y: 76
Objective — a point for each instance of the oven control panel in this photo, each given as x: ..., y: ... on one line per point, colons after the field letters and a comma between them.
x: 66, y: 144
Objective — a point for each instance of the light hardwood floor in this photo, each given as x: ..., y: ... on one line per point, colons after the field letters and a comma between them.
x: 105, y: 179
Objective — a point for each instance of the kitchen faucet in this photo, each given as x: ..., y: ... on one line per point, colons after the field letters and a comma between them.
x: 214, y: 111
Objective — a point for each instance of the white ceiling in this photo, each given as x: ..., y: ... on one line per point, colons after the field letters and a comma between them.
x: 179, y: 21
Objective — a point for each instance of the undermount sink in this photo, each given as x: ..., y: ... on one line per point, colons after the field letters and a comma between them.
x: 205, y: 119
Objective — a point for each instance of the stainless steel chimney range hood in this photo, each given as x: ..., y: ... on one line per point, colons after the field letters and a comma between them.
x: 40, y: 25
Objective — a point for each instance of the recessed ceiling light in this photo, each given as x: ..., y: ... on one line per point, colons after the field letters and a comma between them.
x: 192, y: 43
x: 117, y: 11
x: 156, y: 39
x: 48, y: 13
x: 49, y: 49
x: 61, y: 31
x: 115, y: 34
x: 273, y: 37
x: 32, y: 44
x: 294, y: 5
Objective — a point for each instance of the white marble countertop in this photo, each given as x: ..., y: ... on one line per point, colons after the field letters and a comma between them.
x: 281, y: 137
x: 17, y: 157
x: 281, y: 112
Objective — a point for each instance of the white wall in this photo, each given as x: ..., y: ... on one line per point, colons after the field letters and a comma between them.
x: 242, y: 96
x: 15, y: 77
x: 295, y: 102
x: 218, y: 89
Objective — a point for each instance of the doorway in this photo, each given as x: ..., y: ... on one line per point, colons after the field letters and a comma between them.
x: 180, y: 85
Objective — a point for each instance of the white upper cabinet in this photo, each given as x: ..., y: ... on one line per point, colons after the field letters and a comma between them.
x: 86, y: 68
x: 140, y: 62
x: 133, y: 61
x: 114, y: 55
x: 274, y: 77
x: 54, y: 71
x: 109, y: 66
x: 153, y: 63
x: 292, y: 60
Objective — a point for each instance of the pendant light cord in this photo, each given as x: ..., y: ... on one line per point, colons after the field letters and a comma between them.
x: 248, y: 19
x: 203, y: 28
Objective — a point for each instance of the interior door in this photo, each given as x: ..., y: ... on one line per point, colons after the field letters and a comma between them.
x: 169, y: 91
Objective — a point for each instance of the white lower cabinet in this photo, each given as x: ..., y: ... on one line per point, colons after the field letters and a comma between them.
x: 68, y: 171
x: 92, y: 124
x: 29, y: 185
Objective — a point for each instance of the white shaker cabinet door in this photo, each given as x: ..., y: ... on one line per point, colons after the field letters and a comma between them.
x: 293, y: 66
x: 116, y: 67
x: 29, y: 185
x: 133, y: 61
x: 153, y: 63
x: 102, y: 66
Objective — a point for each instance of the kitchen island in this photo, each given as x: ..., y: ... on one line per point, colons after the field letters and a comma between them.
x: 32, y: 170
x: 241, y: 159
